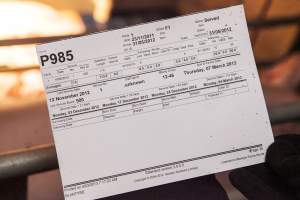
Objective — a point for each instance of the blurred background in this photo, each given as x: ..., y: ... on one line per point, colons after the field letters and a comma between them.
x: 24, y: 123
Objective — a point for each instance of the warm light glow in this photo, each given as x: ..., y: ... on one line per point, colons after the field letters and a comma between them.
x: 23, y: 19
x: 7, y: 83
x: 102, y: 10
x: 18, y: 56
x: 31, y: 83
x: 27, y: 84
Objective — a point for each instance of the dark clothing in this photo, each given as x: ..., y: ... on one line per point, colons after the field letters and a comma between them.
x: 202, y: 188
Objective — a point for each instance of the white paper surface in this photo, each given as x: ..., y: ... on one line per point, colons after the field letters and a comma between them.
x: 155, y: 103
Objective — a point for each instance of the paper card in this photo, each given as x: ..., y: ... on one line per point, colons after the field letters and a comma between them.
x: 155, y: 103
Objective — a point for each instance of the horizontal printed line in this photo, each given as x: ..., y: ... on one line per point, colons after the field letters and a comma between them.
x: 149, y: 99
x: 164, y: 165
x: 122, y: 77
